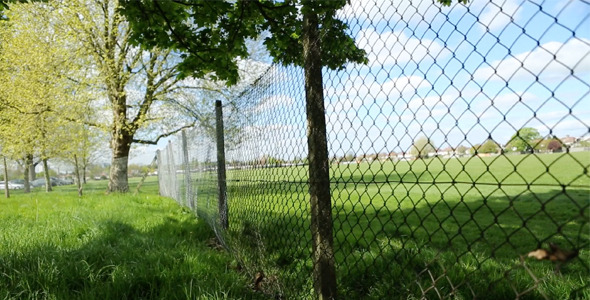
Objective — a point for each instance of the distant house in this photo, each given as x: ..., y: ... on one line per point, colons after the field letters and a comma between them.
x: 448, y: 152
x: 405, y: 156
x: 568, y: 140
x: 385, y: 156
x: 433, y: 154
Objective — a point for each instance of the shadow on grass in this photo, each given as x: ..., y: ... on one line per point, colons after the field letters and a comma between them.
x: 465, y: 248
x: 118, y: 261
x: 456, y: 247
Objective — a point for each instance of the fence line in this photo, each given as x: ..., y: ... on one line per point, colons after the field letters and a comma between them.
x: 452, y: 172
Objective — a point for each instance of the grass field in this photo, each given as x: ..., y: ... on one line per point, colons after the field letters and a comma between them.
x: 435, y: 228
x: 453, y: 227
x: 58, y: 246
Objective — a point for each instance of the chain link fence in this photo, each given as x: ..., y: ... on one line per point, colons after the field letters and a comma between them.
x: 459, y: 158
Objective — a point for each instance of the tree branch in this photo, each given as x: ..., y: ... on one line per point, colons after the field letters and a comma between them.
x: 155, y: 142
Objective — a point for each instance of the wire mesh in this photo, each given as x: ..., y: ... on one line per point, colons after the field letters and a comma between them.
x: 459, y: 158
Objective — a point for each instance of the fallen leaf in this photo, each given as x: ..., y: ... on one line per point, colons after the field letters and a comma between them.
x: 539, y: 254
x: 258, y: 280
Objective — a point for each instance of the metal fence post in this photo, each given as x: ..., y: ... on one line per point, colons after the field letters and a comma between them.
x: 324, y: 272
x: 145, y: 175
x: 173, y: 191
x: 187, y: 173
x: 221, y: 184
x: 6, y: 191
x: 159, y: 170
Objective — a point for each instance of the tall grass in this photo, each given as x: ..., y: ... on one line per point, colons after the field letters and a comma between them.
x: 59, y: 246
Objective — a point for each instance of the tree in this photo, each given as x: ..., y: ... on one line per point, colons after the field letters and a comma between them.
x: 140, y: 87
x: 523, y: 139
x: 461, y: 150
x: 35, y: 67
x: 490, y: 146
x: 554, y: 145
x: 422, y: 146
x: 218, y: 38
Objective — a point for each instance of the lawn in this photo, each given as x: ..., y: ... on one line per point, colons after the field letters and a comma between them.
x: 453, y: 227
x: 58, y: 246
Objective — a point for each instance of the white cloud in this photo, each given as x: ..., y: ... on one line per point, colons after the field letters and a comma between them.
x: 551, y: 61
x: 395, y: 47
x: 358, y: 91
x: 497, y: 14
x: 506, y: 101
x: 273, y: 102
x: 569, y: 125
x: 277, y: 140
x: 410, y: 11
x: 407, y: 84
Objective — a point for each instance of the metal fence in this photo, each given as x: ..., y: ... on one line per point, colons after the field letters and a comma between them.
x: 458, y: 156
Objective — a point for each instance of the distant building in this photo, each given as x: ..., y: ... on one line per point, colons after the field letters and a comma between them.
x: 405, y: 156
x: 568, y: 140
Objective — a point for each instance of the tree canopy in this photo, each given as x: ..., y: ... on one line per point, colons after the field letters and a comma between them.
x: 490, y: 146
x: 523, y: 139
x: 422, y: 146
x: 212, y: 35
x: 38, y: 99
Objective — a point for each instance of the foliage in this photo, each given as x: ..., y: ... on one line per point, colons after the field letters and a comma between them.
x: 461, y: 150
x: 38, y: 67
x: 212, y: 35
x: 523, y: 139
x: 448, y: 2
x: 422, y: 146
x: 490, y: 146
x: 554, y: 145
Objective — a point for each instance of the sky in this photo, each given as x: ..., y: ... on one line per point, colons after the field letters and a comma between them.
x: 462, y: 74
x: 458, y: 75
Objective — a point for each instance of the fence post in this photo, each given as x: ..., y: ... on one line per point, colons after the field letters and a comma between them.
x: 6, y: 191
x: 159, y: 170
x: 173, y: 190
x: 154, y: 161
x: 221, y: 183
x: 187, y: 172
x: 324, y: 273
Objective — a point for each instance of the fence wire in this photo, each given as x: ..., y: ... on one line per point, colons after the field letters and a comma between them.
x: 459, y: 158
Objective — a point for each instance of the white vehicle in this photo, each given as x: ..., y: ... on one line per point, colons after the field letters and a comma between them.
x: 12, y: 185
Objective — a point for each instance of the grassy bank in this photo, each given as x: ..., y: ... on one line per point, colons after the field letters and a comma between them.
x: 58, y: 246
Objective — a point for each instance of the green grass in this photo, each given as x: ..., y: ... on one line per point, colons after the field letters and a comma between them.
x: 403, y: 230
x: 454, y: 227
x: 58, y: 246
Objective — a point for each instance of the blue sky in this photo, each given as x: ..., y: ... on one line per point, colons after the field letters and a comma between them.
x: 461, y: 74
x: 458, y: 75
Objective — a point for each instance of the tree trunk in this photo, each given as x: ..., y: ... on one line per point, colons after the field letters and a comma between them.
x: 47, y: 178
x: 77, y: 173
x: 28, y: 163
x: 27, y: 188
x: 6, y: 191
x: 32, y: 173
x: 118, y: 181
x: 84, y: 173
x: 121, y: 139
x: 324, y: 272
